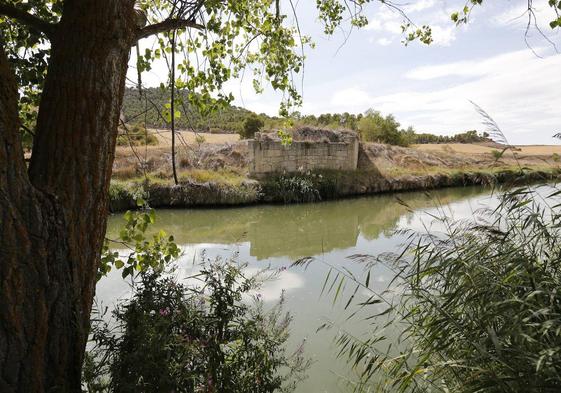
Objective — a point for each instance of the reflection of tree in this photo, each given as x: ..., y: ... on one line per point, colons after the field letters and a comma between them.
x: 300, y: 230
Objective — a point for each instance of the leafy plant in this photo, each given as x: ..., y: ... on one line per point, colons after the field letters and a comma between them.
x: 292, y: 188
x: 200, y: 139
x: 200, y: 337
x: 251, y: 125
x: 497, y: 154
x: 373, y: 127
x: 143, y: 254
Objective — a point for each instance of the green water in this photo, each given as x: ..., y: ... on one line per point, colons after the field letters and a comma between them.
x: 276, y: 236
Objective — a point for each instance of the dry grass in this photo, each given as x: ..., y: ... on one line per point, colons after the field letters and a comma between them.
x: 190, y: 138
x: 461, y: 148
x: 227, y: 163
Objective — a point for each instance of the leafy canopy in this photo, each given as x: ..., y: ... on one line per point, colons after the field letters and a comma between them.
x: 228, y: 38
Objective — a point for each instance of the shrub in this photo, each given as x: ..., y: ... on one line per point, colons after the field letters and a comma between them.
x: 203, y: 335
x: 302, y: 187
x: 197, y: 338
x: 292, y: 188
x: 497, y: 154
x: 251, y: 125
x: 135, y: 135
x: 200, y: 139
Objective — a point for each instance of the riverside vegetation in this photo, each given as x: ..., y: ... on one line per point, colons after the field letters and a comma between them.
x: 197, y: 334
x: 477, y: 304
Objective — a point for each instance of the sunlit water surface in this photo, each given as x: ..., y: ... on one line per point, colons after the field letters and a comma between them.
x: 276, y: 236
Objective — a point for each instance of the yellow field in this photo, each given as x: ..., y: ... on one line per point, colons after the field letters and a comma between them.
x: 534, y: 150
x: 189, y: 137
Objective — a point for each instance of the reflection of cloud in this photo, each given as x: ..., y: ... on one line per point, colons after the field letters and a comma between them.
x: 283, y: 281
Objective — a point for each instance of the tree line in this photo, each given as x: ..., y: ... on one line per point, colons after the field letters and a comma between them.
x: 151, y: 108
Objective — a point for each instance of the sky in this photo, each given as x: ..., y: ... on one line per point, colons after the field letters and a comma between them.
x: 431, y: 88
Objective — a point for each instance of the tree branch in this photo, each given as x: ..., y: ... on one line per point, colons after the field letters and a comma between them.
x: 167, y: 25
x: 28, y: 19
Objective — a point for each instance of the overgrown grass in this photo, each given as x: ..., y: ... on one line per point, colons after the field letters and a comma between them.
x: 301, y: 187
x: 222, y: 176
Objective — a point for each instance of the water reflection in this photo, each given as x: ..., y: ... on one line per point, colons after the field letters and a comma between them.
x: 296, y: 231
x: 277, y: 235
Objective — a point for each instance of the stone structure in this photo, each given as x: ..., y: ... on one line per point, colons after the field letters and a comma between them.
x: 268, y: 155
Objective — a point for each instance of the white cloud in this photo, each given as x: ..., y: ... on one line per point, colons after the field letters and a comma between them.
x: 351, y: 98
x: 518, y: 89
x: 383, y: 41
x: 492, y: 65
x: 419, y: 5
x: 443, y: 36
x: 388, y: 20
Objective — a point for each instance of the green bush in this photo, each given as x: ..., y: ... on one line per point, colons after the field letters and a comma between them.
x: 203, y: 335
x: 292, y: 188
x: 174, y: 337
x: 135, y: 135
x: 373, y: 127
x: 251, y: 125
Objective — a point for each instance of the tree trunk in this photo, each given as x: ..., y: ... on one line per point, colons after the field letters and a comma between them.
x: 53, y: 218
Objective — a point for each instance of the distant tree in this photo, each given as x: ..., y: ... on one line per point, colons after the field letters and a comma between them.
x: 374, y: 127
x: 251, y: 125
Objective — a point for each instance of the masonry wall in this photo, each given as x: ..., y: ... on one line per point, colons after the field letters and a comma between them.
x: 271, y: 156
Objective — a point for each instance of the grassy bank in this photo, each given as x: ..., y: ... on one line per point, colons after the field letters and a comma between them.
x: 200, y: 188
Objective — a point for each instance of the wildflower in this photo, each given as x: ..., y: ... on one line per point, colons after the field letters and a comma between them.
x: 165, y: 311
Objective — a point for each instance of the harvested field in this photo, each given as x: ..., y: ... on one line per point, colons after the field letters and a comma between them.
x: 461, y: 148
x: 190, y: 137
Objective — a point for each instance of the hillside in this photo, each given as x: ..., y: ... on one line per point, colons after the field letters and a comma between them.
x: 148, y: 109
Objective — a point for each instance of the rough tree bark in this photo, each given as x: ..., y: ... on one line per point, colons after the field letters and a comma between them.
x: 53, y: 216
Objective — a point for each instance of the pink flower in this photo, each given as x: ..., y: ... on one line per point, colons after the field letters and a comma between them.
x: 164, y: 312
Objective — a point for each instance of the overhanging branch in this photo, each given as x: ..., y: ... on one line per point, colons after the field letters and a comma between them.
x: 27, y: 19
x: 167, y: 25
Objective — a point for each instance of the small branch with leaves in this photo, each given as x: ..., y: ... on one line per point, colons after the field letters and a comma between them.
x: 30, y: 20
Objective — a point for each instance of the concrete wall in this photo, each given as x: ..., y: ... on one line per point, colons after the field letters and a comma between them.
x: 266, y: 156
